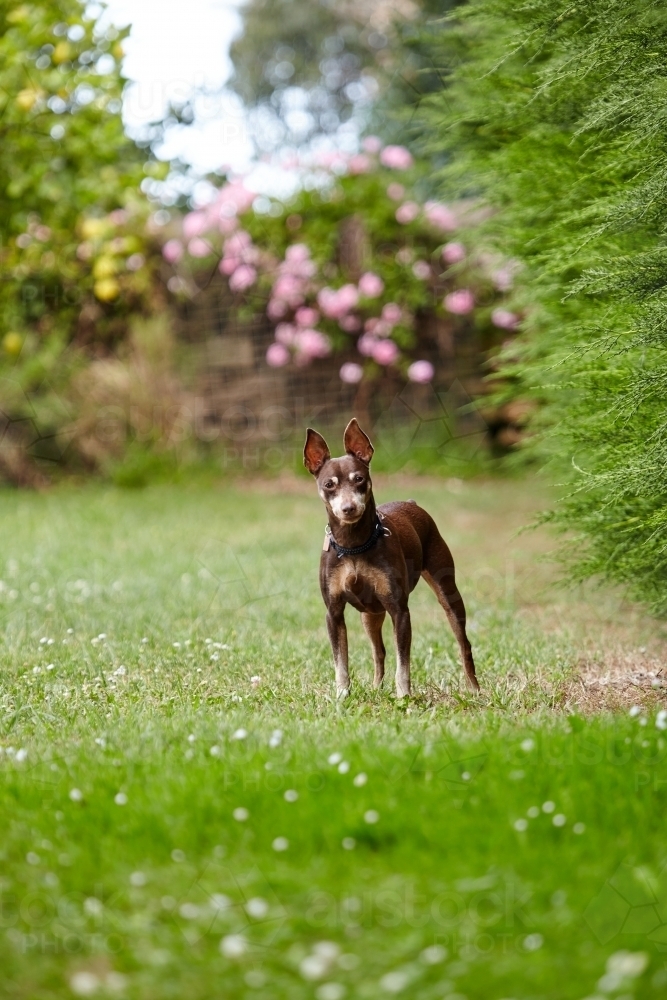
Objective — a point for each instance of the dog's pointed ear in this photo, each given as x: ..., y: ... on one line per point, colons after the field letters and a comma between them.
x: 316, y: 452
x: 357, y: 443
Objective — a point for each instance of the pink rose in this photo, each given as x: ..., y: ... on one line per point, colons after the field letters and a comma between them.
x: 366, y: 345
x: 396, y: 158
x: 395, y: 191
x: 460, y: 302
x: 172, y: 251
x: 228, y: 265
x: 312, y: 344
x: 351, y: 373
x: 407, y: 212
x: 243, y: 277
x: 385, y: 352
x: 359, y: 164
x: 285, y: 334
x: 391, y: 313
x: 421, y: 270
x: 199, y: 247
x: 297, y: 253
x: 277, y: 355
x: 453, y: 253
x: 440, y: 216
x: 371, y: 144
x: 503, y: 279
x: 194, y: 224
x: 305, y: 316
x: 276, y: 309
x: 504, y: 319
x: 371, y: 285
x: 421, y: 372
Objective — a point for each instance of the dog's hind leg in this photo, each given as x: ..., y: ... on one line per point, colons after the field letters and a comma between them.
x: 373, y: 629
x: 438, y: 572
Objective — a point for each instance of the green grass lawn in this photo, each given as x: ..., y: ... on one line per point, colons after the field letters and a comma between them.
x: 188, y: 812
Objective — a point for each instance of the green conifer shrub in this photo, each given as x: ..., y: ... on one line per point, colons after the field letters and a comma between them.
x: 554, y: 114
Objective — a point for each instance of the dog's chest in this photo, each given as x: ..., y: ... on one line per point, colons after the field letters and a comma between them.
x: 362, y: 584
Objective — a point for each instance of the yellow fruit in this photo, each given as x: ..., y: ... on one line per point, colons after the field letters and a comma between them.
x: 12, y: 343
x: 92, y: 229
x: 104, y: 267
x: 26, y: 99
x: 107, y: 289
x: 62, y: 52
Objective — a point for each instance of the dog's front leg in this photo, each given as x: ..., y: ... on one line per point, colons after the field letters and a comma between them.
x: 403, y: 638
x: 337, y: 630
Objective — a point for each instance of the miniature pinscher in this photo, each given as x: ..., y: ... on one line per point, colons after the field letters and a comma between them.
x: 373, y: 557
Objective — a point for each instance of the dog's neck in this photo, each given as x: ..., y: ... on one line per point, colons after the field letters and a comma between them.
x: 352, y: 535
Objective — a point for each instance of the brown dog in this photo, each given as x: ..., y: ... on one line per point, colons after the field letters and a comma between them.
x: 373, y: 558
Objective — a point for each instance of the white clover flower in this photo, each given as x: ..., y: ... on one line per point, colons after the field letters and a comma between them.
x: 635, y: 711
x: 32, y: 858
x: 257, y: 908
x: 394, y: 982
x: 189, y: 911
x: 76, y: 795
x: 21, y: 754
x: 239, y: 734
x: 137, y: 879
x: 528, y: 745
x: 521, y: 825
x: 84, y: 983
x: 559, y: 820
x: 178, y: 856
x: 220, y: 902
x: 330, y: 991
x: 120, y: 799
x: 234, y: 946
x: 215, y: 750
x: 343, y: 767
x: 433, y: 955
x: 628, y: 964
x: 93, y: 907
x: 661, y: 719
x: 349, y: 843
x: 360, y: 779
x: 578, y: 828
x: 291, y: 795
x: 314, y: 967
x: 276, y: 738
x: 533, y: 812
x: 548, y: 807
x: 240, y: 814
x: 533, y: 941
x: 334, y: 758
x: 280, y: 844
x: 371, y: 816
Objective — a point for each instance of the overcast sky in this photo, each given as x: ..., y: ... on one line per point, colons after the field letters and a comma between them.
x: 177, y: 47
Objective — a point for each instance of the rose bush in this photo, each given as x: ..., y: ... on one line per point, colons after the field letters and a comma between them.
x: 350, y: 266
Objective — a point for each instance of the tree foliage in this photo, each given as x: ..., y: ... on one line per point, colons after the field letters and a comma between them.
x: 65, y: 167
x: 555, y: 115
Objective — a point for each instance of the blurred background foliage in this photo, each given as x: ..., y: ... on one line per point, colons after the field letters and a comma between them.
x: 544, y: 121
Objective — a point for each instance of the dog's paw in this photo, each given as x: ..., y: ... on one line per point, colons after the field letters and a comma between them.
x: 342, y: 693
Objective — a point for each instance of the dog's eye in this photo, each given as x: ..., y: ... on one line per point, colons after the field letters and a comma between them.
x: 358, y: 479
x: 328, y: 485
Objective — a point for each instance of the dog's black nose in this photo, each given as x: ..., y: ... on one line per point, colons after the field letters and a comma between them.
x: 348, y: 510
